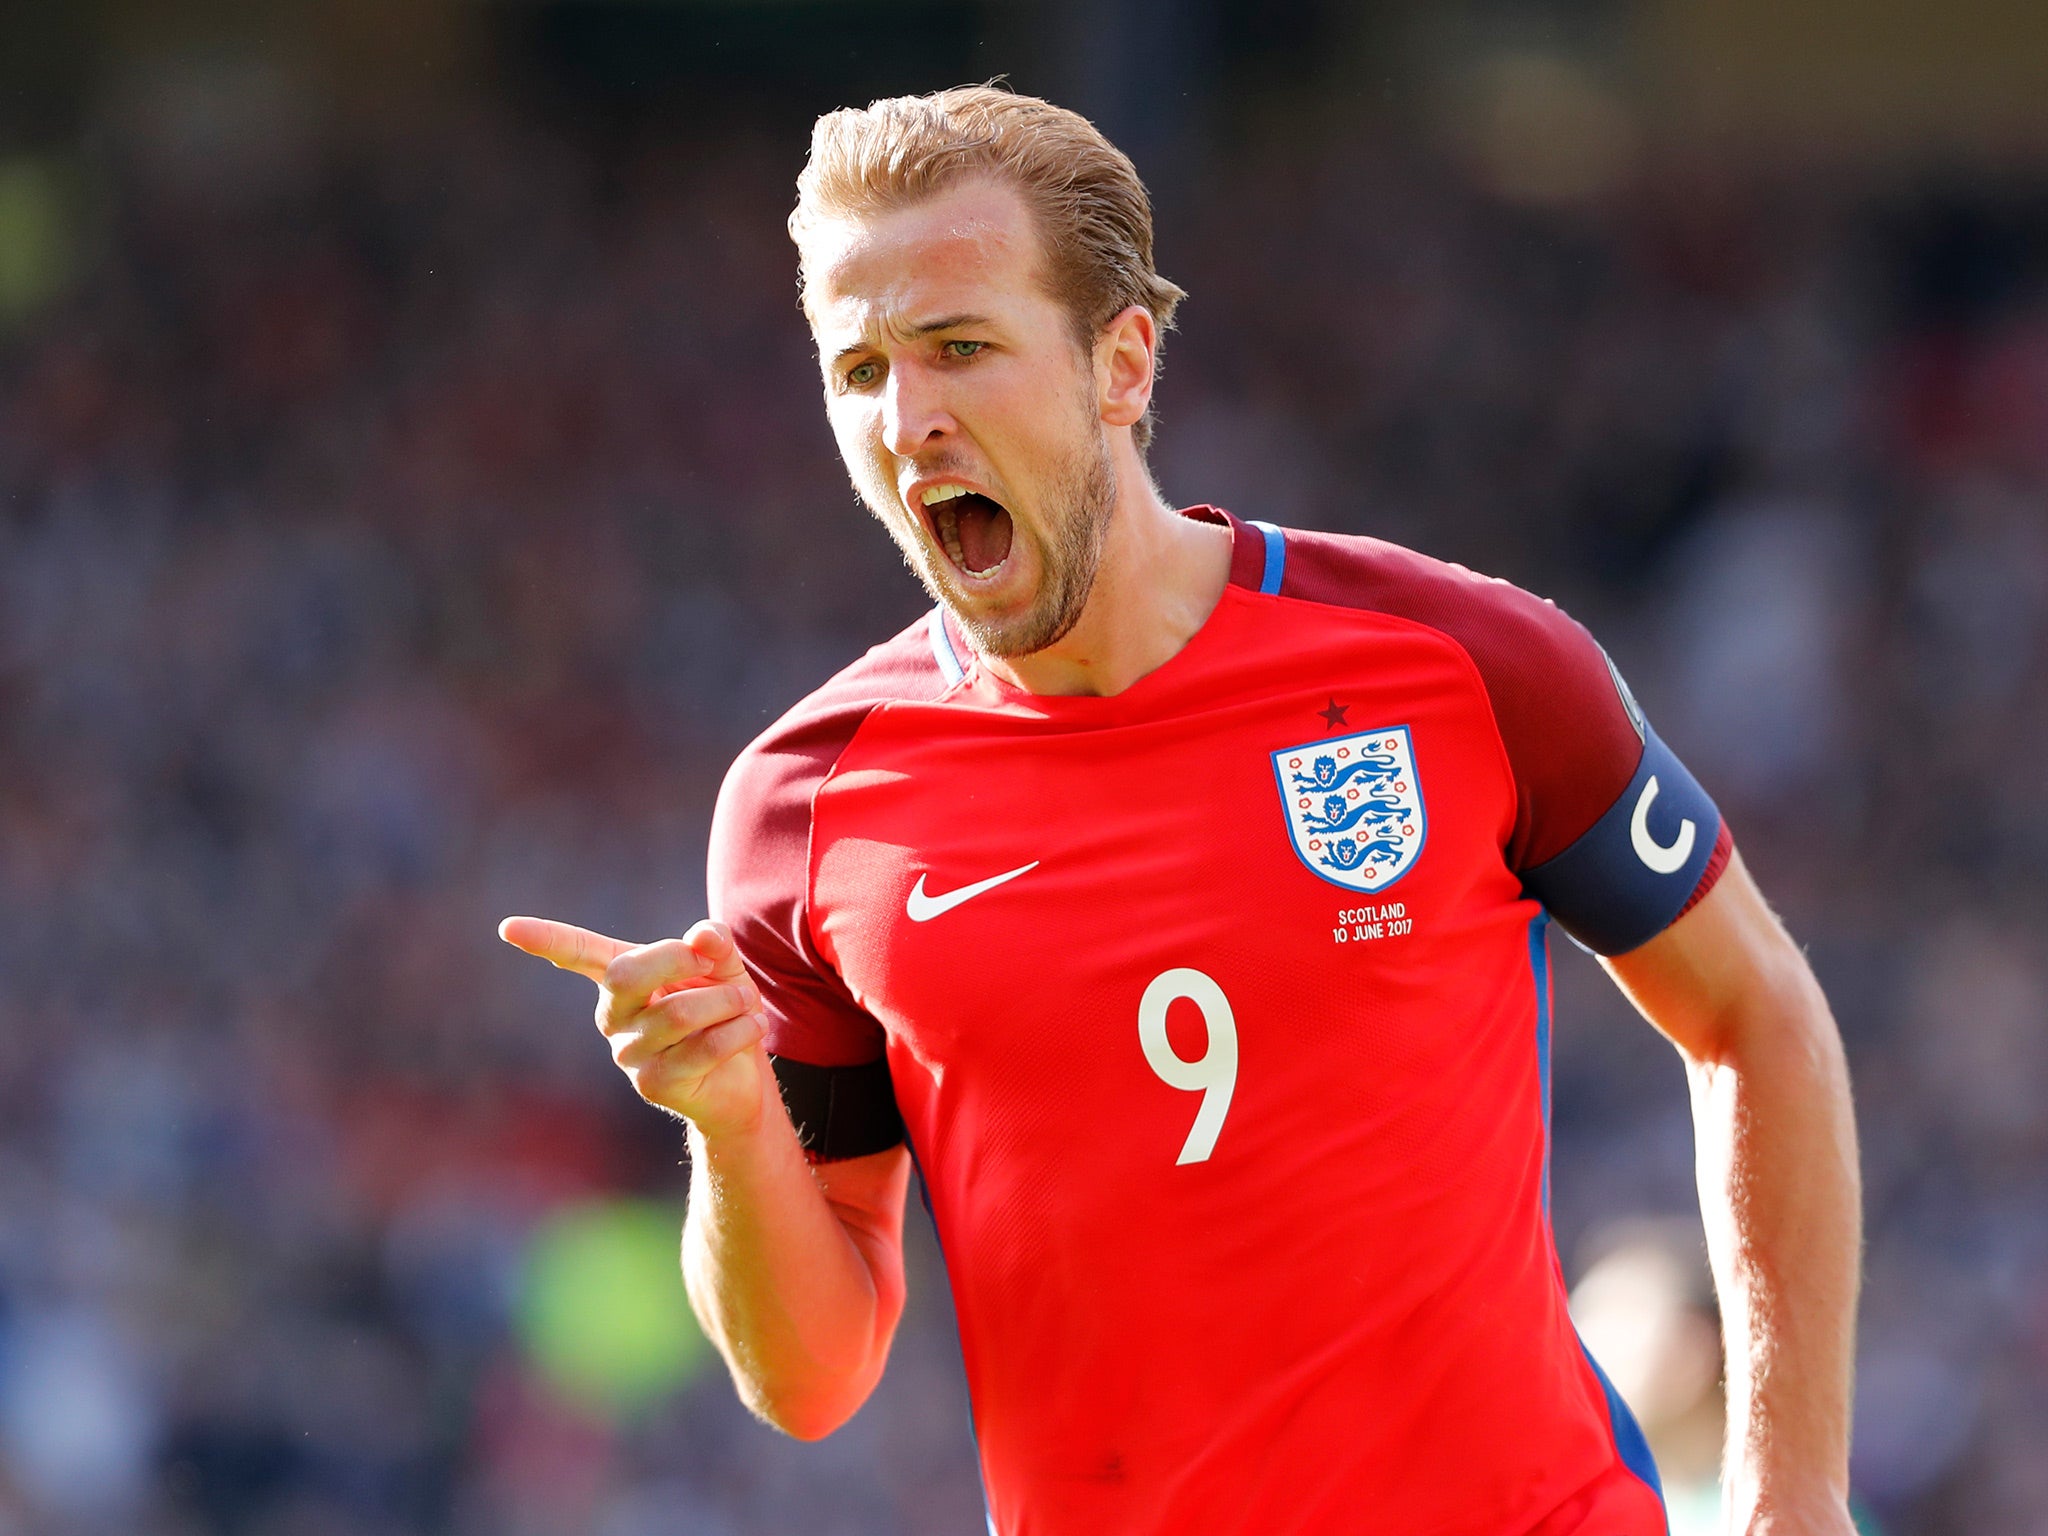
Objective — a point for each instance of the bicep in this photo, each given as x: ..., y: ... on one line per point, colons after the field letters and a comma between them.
x: 1723, y: 970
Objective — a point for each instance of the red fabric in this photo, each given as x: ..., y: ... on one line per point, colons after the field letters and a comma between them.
x: 756, y: 871
x: 1724, y: 849
x: 1346, y: 1313
x: 1567, y: 734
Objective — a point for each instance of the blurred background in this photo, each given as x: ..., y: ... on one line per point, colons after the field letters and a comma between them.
x: 413, y: 490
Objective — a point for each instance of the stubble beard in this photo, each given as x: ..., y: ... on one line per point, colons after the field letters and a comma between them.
x: 1081, y: 498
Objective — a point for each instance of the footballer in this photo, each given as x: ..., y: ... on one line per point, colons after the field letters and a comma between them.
x: 1180, y: 891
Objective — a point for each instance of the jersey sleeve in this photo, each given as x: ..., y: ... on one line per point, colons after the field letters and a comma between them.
x: 827, y: 1050
x: 1612, y: 833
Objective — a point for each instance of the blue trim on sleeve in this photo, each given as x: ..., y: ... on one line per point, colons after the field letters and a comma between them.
x: 1276, y: 557
x: 1631, y: 873
x: 942, y: 646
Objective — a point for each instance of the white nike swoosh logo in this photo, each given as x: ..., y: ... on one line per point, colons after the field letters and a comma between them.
x: 921, y: 908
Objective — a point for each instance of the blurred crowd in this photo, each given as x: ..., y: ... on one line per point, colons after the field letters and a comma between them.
x: 395, y: 536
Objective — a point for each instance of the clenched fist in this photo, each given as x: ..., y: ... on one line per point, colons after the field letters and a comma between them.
x: 683, y: 1017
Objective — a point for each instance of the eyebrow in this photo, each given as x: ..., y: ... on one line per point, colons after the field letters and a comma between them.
x: 926, y: 328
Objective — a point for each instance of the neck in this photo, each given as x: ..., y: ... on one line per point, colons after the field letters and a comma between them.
x: 1161, y: 576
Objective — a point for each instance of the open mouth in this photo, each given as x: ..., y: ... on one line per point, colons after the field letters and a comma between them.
x: 973, y: 529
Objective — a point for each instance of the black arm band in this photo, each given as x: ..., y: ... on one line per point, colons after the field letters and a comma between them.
x: 840, y: 1112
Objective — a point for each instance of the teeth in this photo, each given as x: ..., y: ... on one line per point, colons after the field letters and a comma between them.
x: 948, y: 523
x: 939, y: 493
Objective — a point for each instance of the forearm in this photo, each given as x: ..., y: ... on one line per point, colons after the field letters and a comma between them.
x: 1780, y: 1194
x: 800, y: 1296
x: 795, y: 1273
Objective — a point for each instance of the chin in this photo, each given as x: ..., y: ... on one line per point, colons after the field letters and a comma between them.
x: 1005, y: 642
x: 1019, y: 633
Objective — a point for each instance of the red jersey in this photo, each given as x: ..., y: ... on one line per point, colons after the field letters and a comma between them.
x: 1217, y: 1014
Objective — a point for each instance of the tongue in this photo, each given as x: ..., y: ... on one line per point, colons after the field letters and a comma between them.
x: 984, y: 529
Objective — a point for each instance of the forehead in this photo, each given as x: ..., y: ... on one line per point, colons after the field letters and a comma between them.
x: 972, y: 248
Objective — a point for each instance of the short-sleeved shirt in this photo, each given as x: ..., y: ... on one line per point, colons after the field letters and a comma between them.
x: 1217, y: 1015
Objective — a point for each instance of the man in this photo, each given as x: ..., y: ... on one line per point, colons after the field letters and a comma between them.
x: 1180, y: 887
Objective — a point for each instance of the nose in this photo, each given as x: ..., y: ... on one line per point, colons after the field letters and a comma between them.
x: 914, y: 414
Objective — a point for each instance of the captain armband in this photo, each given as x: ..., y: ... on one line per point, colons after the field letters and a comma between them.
x: 840, y: 1112
x: 1637, y: 869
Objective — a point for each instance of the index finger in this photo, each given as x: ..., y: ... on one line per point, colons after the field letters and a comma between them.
x: 563, y: 945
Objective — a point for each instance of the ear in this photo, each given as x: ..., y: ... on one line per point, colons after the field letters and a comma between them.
x: 1124, y: 355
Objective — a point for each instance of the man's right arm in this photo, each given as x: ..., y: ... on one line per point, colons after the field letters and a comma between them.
x: 796, y: 1272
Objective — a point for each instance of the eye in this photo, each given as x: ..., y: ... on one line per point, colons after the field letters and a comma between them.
x: 861, y: 375
x: 963, y: 348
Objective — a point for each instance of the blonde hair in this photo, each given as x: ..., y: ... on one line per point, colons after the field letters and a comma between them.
x: 1093, y: 214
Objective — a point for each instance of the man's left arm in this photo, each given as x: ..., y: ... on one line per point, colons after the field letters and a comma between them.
x: 1779, y: 1192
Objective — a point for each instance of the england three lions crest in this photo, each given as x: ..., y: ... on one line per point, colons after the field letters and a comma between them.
x: 1354, y: 806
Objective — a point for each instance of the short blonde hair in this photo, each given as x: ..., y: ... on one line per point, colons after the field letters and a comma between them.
x: 1092, y: 210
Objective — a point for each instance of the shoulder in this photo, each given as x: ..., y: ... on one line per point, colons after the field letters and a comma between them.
x: 1572, y: 732
x: 758, y: 870
x: 1611, y: 833
x: 904, y: 666
x: 759, y: 852
x: 1512, y: 635
x: 783, y: 766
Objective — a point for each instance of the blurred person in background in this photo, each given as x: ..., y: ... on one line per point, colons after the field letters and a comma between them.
x: 1340, y: 1299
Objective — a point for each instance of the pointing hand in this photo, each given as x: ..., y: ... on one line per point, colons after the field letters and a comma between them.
x: 683, y: 1017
